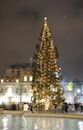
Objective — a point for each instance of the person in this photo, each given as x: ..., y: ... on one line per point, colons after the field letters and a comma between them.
x: 31, y: 107
x: 81, y: 107
x: 55, y: 107
x: 76, y: 106
x: 66, y: 107
x: 25, y: 107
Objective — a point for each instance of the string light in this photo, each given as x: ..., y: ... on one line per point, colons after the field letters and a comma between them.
x: 47, y: 72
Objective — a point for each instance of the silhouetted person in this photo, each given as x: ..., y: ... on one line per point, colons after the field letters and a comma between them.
x: 66, y: 107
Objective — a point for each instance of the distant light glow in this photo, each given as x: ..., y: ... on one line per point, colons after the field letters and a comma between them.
x: 78, y: 90
x: 2, y: 80
x: 5, y: 123
x: 30, y: 78
x: 57, y: 76
x: 9, y: 92
x: 25, y: 78
x: 80, y: 125
x: 70, y: 86
x: 45, y: 18
x: 56, y: 73
x: 4, y: 99
x: 43, y: 100
x: 15, y: 99
x: 35, y: 127
x: 26, y: 98
x: 17, y: 80
x: 69, y: 97
x: 47, y: 103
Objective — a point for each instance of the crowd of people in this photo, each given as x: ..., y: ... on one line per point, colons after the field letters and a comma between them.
x: 67, y: 107
x: 22, y: 106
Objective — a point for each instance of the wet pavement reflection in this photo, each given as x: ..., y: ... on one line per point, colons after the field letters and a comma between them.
x: 10, y: 122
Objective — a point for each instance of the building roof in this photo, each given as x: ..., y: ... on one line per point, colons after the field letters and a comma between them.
x: 19, y: 66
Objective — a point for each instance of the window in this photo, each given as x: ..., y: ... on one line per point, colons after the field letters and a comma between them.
x: 18, y: 72
x: 12, y: 71
x: 1, y: 90
x: 2, y: 80
x: 25, y: 78
x: 30, y: 78
x: 17, y: 90
x: 25, y: 90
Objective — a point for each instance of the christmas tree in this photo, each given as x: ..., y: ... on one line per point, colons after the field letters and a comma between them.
x: 47, y: 90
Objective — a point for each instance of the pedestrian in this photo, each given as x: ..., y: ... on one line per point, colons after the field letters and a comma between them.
x: 31, y: 107
x: 25, y: 107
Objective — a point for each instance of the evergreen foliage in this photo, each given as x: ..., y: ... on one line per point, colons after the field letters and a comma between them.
x: 47, y: 90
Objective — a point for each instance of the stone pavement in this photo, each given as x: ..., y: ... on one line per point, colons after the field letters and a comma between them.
x: 74, y: 115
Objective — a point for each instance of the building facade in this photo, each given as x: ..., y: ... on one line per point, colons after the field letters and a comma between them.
x: 16, y: 86
x: 73, y: 91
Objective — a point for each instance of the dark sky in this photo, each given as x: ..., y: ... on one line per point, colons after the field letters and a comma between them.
x: 20, y: 27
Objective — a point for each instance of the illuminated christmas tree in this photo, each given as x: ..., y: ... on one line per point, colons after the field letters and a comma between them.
x: 47, y: 90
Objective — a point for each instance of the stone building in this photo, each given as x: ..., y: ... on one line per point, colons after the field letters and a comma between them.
x: 15, y: 84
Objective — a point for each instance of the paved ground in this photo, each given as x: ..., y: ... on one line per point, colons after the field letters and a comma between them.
x: 75, y: 115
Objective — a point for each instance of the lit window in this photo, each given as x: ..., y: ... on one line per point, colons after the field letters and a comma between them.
x: 30, y: 78
x: 25, y: 78
x: 17, y: 80
x: 2, y: 80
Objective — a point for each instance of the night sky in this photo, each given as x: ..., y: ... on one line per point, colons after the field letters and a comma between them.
x: 20, y: 26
